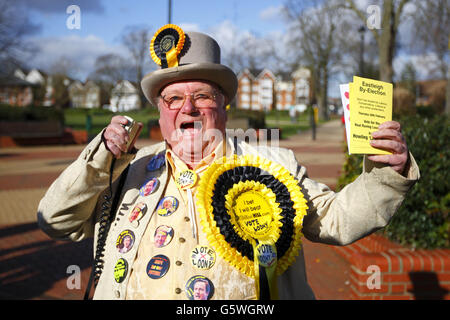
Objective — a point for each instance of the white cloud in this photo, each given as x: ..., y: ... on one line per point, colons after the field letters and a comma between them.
x: 239, y: 45
x: 225, y: 33
x: 189, y: 27
x: 271, y: 13
x: 80, y: 51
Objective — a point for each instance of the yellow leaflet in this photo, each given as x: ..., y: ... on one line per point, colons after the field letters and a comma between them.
x: 370, y: 105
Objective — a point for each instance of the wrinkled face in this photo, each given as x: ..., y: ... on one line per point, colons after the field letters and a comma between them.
x: 190, y: 130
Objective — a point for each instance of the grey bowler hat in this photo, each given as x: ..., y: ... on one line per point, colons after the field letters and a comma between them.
x: 199, y: 60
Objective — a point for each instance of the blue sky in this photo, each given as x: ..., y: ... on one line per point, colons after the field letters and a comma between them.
x: 108, y: 18
x: 104, y: 21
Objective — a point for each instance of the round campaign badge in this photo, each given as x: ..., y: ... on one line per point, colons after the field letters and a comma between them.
x: 163, y: 235
x: 253, y: 214
x: 120, y: 270
x: 167, y: 206
x: 158, y: 266
x: 267, y: 254
x: 125, y: 241
x: 137, y: 213
x: 149, y: 187
x: 203, y: 257
x: 199, y: 288
x: 186, y: 179
x: 247, y: 200
x: 156, y: 162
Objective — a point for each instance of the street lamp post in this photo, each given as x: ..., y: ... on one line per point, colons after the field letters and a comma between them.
x: 170, y: 11
x: 361, y: 31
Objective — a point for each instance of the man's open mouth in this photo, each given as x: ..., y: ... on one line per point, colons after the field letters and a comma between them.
x: 192, y: 127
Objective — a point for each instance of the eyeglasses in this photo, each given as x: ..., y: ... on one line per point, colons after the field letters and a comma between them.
x: 201, y: 99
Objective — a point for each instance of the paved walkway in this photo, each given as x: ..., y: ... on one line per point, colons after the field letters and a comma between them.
x: 32, y: 266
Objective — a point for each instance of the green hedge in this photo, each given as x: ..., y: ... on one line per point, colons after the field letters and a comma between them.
x: 256, y: 119
x: 30, y: 113
x: 423, y: 219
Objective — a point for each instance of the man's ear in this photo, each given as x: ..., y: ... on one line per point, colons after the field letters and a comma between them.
x: 226, y: 101
x: 158, y: 105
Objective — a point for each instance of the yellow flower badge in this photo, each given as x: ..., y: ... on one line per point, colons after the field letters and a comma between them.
x: 166, y: 45
x: 252, y: 211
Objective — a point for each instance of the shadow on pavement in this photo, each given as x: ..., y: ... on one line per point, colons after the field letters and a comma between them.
x: 32, y: 266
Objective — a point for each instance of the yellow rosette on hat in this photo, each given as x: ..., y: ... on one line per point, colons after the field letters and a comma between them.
x: 166, y: 45
x: 252, y: 211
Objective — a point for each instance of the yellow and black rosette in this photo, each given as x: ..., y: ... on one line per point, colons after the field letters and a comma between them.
x: 252, y: 211
x: 166, y: 45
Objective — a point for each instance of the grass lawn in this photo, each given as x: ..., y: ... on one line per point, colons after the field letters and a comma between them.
x: 77, y: 120
x: 281, y: 119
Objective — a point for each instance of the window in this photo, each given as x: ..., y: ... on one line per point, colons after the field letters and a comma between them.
x: 245, y: 97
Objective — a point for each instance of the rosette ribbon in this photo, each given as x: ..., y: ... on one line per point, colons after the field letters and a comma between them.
x: 252, y: 211
x: 166, y: 45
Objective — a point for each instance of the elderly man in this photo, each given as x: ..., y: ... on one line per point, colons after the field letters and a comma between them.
x: 238, y: 213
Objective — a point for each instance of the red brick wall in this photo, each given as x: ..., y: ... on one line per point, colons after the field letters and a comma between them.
x: 402, y: 273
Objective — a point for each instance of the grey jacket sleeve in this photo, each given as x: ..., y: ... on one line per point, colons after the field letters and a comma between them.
x: 66, y: 211
x: 362, y: 207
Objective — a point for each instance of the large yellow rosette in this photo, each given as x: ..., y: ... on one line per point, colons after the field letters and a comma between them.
x: 252, y: 211
x: 166, y: 45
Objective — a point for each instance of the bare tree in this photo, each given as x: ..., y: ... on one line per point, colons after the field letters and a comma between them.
x: 385, y: 36
x: 315, y: 37
x: 111, y: 68
x: 255, y: 51
x: 60, y: 71
x: 231, y: 53
x: 15, y: 25
x: 431, y: 29
x: 433, y: 38
x: 246, y: 50
x: 137, y: 40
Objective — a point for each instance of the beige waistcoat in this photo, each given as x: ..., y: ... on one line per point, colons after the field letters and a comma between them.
x: 71, y: 209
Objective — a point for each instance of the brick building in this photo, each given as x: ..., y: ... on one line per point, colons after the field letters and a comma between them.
x: 15, y: 91
x: 42, y: 83
x: 260, y: 89
x: 256, y: 89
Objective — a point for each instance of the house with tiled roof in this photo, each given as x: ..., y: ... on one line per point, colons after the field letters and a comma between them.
x: 43, y: 82
x: 260, y: 89
x: 125, y: 97
x: 87, y: 95
x: 256, y: 89
x: 15, y: 91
